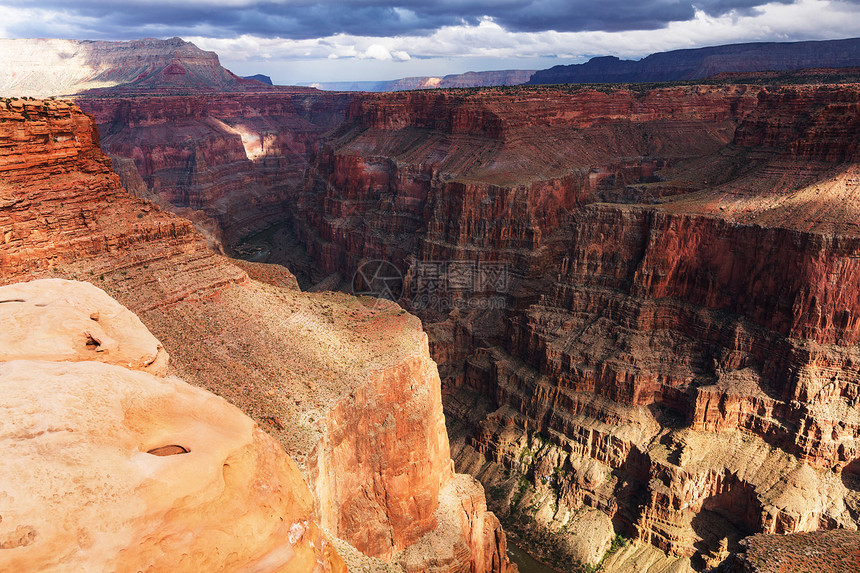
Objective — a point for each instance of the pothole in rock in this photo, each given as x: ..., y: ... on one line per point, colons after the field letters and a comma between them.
x: 171, y: 450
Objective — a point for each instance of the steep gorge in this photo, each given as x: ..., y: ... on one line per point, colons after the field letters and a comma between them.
x: 642, y: 301
x: 226, y: 160
x: 303, y: 366
x: 639, y: 342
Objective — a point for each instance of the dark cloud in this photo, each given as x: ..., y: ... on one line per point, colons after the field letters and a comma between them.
x: 301, y: 19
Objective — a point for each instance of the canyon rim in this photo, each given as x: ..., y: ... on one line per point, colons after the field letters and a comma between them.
x: 628, y: 335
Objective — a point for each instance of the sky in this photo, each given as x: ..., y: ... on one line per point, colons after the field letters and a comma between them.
x: 303, y: 41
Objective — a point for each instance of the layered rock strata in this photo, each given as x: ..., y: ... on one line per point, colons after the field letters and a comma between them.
x: 669, y: 277
x: 678, y: 275
x: 294, y: 362
x: 228, y: 161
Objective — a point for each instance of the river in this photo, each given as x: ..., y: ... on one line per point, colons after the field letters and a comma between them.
x: 525, y: 562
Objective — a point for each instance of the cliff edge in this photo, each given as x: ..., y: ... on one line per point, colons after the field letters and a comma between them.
x: 320, y: 372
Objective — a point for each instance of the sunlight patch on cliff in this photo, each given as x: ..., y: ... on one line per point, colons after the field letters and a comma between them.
x: 255, y: 144
x: 252, y: 142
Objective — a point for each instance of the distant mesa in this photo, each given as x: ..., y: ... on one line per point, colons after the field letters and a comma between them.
x: 704, y: 63
x: 676, y: 65
x: 263, y: 79
x: 44, y: 68
x: 466, y: 80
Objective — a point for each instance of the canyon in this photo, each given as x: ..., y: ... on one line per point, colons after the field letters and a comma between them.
x: 674, y: 358
x: 303, y: 366
x: 641, y: 300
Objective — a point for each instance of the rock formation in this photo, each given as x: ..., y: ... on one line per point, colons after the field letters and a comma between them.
x: 303, y: 366
x: 465, y: 80
x: 44, y: 68
x: 700, y: 63
x: 225, y: 160
x: 51, y: 320
x: 642, y: 301
x: 107, y: 467
x: 673, y: 278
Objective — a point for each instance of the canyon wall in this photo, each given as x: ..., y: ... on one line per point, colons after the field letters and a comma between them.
x: 305, y: 367
x: 657, y: 277
x: 225, y: 160
x: 642, y: 302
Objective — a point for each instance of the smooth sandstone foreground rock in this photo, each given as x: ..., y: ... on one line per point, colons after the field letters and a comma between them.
x: 110, y: 469
x: 55, y: 319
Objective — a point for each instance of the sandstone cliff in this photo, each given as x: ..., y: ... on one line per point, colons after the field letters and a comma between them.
x: 107, y: 467
x: 226, y: 161
x: 678, y: 275
x: 306, y: 367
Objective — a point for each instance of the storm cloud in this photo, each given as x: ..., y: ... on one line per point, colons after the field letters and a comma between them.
x: 304, y: 19
x: 325, y: 40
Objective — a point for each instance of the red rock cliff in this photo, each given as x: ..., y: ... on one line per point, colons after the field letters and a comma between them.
x: 60, y: 201
x: 231, y: 158
x: 67, y: 215
x: 661, y: 333
x: 679, y: 283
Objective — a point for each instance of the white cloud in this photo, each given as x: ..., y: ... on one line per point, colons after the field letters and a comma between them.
x: 377, y: 52
x: 448, y: 47
x: 805, y: 19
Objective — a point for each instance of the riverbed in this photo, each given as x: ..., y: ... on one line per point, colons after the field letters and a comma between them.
x: 525, y: 562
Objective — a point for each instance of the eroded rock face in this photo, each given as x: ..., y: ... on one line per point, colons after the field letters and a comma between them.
x: 639, y: 343
x: 61, y: 203
x: 399, y: 459
x: 229, y: 161
x: 286, y: 358
x: 679, y: 278
x: 108, y: 467
x: 61, y: 206
x: 51, y: 67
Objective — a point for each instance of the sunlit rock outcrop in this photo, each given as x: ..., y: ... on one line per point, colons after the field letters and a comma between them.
x: 108, y: 467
